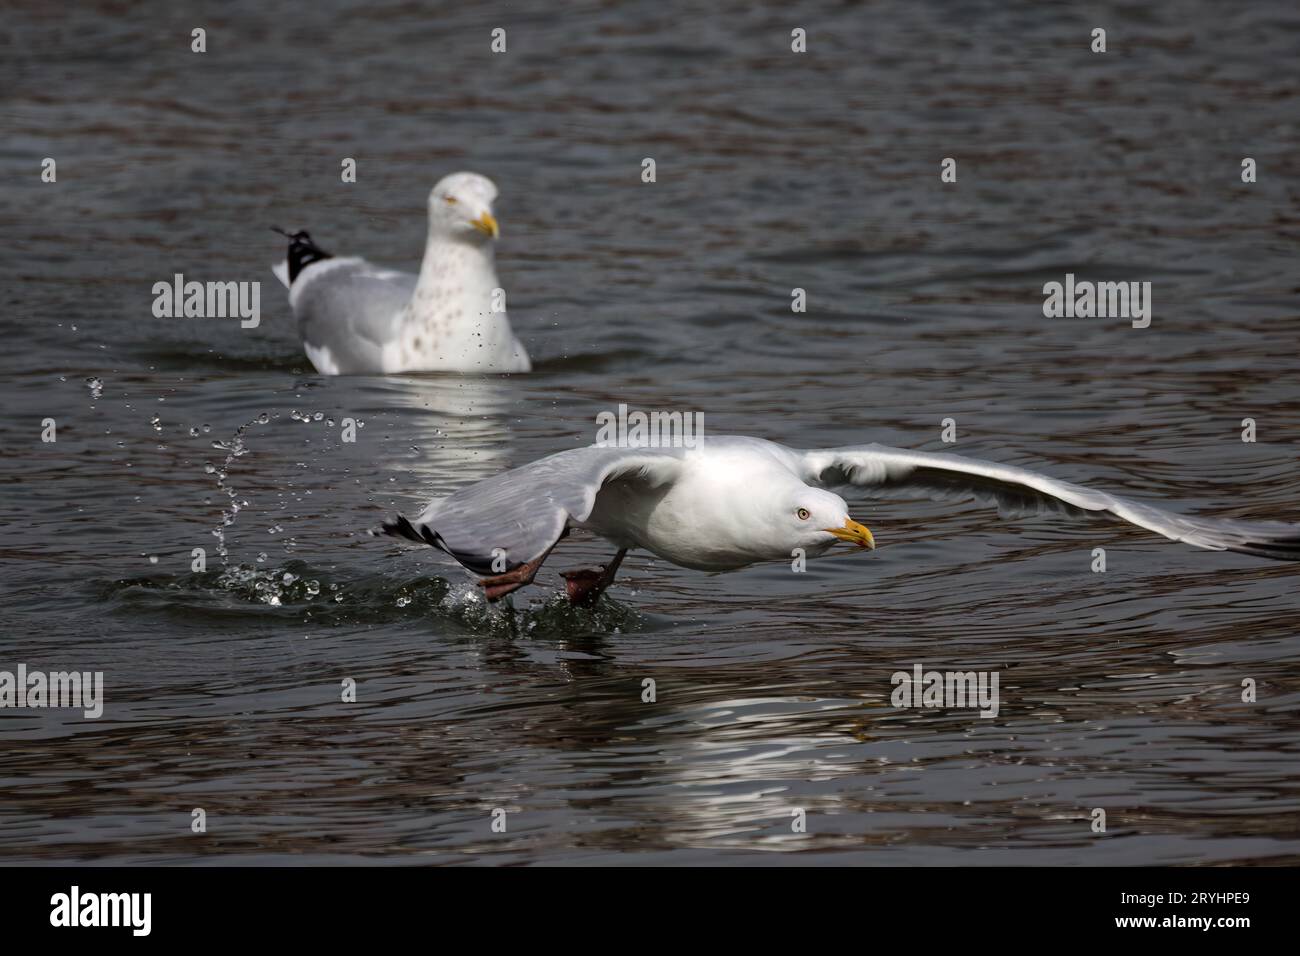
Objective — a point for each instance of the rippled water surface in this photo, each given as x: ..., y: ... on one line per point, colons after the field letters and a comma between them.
x: 1119, y: 690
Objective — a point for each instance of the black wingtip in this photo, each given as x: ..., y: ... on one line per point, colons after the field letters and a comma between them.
x: 1279, y: 548
x: 302, y: 251
x: 402, y: 528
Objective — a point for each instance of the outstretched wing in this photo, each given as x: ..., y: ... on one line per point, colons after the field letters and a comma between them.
x: 1018, y: 490
x: 347, y: 311
x: 520, y: 514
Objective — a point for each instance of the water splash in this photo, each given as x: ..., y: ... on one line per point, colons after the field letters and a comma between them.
x: 314, y: 595
x: 234, y: 447
x: 273, y: 586
x: 545, y: 617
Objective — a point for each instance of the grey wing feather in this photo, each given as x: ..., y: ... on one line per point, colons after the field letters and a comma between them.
x: 1019, y: 490
x: 525, y: 511
x: 351, y: 309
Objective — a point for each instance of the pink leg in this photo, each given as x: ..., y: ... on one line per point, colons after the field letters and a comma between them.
x: 585, y: 585
x: 495, y: 588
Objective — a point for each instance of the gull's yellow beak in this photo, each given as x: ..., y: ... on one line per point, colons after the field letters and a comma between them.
x: 854, y: 533
x: 487, y: 225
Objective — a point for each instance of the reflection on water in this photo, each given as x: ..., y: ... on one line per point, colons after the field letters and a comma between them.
x: 1120, y: 690
x: 461, y: 432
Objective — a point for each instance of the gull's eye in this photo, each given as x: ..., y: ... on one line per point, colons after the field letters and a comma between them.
x: 449, y: 200
x: 803, y: 514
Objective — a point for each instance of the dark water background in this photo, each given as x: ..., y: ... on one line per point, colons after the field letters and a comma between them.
x: 1119, y: 690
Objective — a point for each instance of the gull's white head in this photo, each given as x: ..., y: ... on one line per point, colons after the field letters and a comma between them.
x: 461, y: 206
x: 784, y: 515
x: 815, y: 519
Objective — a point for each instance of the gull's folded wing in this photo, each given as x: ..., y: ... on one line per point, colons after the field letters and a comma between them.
x: 520, y: 514
x: 347, y: 311
x: 1018, y: 490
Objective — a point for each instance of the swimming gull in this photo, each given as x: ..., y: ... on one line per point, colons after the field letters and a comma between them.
x: 733, y: 501
x: 356, y: 318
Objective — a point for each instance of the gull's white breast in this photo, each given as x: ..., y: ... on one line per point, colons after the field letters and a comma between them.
x: 708, y: 519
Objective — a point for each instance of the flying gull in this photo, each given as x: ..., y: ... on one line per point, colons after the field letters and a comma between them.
x: 733, y: 501
x: 356, y: 318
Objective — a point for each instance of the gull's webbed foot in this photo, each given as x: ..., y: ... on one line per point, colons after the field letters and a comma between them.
x: 495, y: 588
x: 585, y: 585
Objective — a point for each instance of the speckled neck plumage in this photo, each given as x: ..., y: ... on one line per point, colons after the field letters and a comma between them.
x: 451, y: 313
